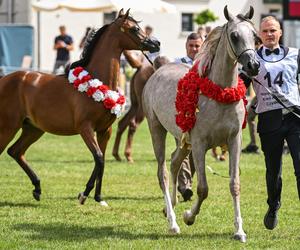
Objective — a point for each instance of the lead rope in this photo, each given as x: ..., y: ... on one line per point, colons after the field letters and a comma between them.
x: 220, y: 175
x: 147, y: 58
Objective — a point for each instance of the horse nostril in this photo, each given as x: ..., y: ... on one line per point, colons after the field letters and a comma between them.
x: 250, y: 65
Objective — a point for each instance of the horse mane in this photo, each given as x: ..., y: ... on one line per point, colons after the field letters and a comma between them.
x: 89, y: 46
x: 208, y: 50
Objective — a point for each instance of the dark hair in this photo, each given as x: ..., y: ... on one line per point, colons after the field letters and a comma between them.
x: 193, y: 36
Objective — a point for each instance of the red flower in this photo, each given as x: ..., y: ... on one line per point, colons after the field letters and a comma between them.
x: 121, y: 100
x: 109, y: 103
x: 91, y: 91
x: 86, y: 78
x: 103, y: 88
x: 188, y: 96
x: 76, y: 83
x: 77, y: 71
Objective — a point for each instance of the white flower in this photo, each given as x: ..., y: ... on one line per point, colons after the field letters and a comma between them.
x: 117, y: 110
x: 82, y: 74
x: 83, y: 87
x: 98, y: 96
x: 112, y: 94
x: 71, y: 77
x: 95, y: 83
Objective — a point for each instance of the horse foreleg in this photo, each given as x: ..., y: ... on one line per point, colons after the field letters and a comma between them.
x: 234, y: 157
x: 198, y: 152
x: 102, y: 138
x: 89, y: 138
x: 133, y: 125
x: 29, y: 135
x: 122, y: 125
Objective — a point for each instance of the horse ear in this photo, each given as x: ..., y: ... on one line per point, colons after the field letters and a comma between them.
x: 227, y: 15
x: 250, y: 13
x: 127, y: 13
x: 121, y: 12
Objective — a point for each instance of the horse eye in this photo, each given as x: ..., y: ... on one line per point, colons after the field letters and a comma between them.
x: 234, y: 36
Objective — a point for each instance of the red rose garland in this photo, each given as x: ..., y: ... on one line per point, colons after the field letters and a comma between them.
x: 95, y: 89
x: 188, y: 90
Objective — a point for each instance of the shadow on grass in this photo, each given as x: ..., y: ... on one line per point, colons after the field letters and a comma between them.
x: 108, y: 198
x: 63, y: 232
x: 16, y: 204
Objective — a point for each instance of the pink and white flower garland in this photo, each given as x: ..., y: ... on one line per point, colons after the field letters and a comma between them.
x: 94, y: 88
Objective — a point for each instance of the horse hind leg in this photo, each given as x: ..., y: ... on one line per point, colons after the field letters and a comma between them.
x: 158, y: 135
x: 176, y: 160
x: 29, y: 135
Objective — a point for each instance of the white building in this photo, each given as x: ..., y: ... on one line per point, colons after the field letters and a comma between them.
x: 170, y: 29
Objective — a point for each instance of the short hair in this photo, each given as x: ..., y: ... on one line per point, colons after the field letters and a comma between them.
x: 193, y: 36
x: 148, y: 28
x: 270, y: 18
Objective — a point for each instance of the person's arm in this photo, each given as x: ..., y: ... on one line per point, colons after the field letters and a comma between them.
x: 246, y: 79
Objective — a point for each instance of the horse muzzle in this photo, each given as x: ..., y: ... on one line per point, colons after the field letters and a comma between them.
x: 151, y: 44
x: 252, y: 68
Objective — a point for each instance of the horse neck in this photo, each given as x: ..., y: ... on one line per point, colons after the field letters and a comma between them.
x: 224, y: 69
x: 105, y: 61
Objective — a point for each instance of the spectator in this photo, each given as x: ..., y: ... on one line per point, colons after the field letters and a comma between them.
x: 63, y: 44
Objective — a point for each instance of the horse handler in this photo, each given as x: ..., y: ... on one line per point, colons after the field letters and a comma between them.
x: 278, y: 108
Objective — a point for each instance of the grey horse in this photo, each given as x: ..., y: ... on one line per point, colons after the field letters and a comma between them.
x: 216, y: 123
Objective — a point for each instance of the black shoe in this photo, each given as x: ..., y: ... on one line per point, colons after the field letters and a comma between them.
x: 251, y: 149
x: 271, y: 219
x: 187, y: 194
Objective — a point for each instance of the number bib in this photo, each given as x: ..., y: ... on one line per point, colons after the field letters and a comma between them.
x: 280, y: 78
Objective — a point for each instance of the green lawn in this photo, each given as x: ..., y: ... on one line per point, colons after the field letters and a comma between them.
x: 134, y: 219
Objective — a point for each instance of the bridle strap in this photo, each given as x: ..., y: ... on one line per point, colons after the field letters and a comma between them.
x: 126, y: 33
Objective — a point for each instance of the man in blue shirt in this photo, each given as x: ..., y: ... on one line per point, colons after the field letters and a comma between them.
x: 63, y: 44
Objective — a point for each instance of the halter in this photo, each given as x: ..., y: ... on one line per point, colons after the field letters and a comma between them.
x: 126, y: 33
x: 237, y: 57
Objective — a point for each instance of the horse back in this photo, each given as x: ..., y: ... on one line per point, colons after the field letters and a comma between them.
x: 51, y: 103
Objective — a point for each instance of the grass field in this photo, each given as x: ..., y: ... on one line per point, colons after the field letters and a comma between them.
x: 134, y: 219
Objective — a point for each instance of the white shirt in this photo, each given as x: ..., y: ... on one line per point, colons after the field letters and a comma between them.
x: 278, y: 73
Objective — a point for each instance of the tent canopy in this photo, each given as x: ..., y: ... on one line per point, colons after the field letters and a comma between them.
x: 105, y: 5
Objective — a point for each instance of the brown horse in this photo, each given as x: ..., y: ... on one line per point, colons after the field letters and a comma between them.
x: 41, y: 102
x: 135, y: 114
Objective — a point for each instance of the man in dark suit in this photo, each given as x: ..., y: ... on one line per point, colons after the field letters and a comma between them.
x: 277, y: 119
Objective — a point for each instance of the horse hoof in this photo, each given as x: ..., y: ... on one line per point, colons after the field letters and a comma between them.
x: 36, y: 195
x: 82, y: 198
x: 103, y: 203
x: 117, y: 157
x: 188, y: 218
x: 221, y: 158
x: 130, y: 160
x: 241, y: 237
x: 174, y: 230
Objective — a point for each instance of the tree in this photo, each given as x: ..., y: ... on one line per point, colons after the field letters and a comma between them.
x: 205, y: 16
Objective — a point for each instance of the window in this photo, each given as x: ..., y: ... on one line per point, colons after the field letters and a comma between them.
x: 109, y: 17
x: 187, y: 23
